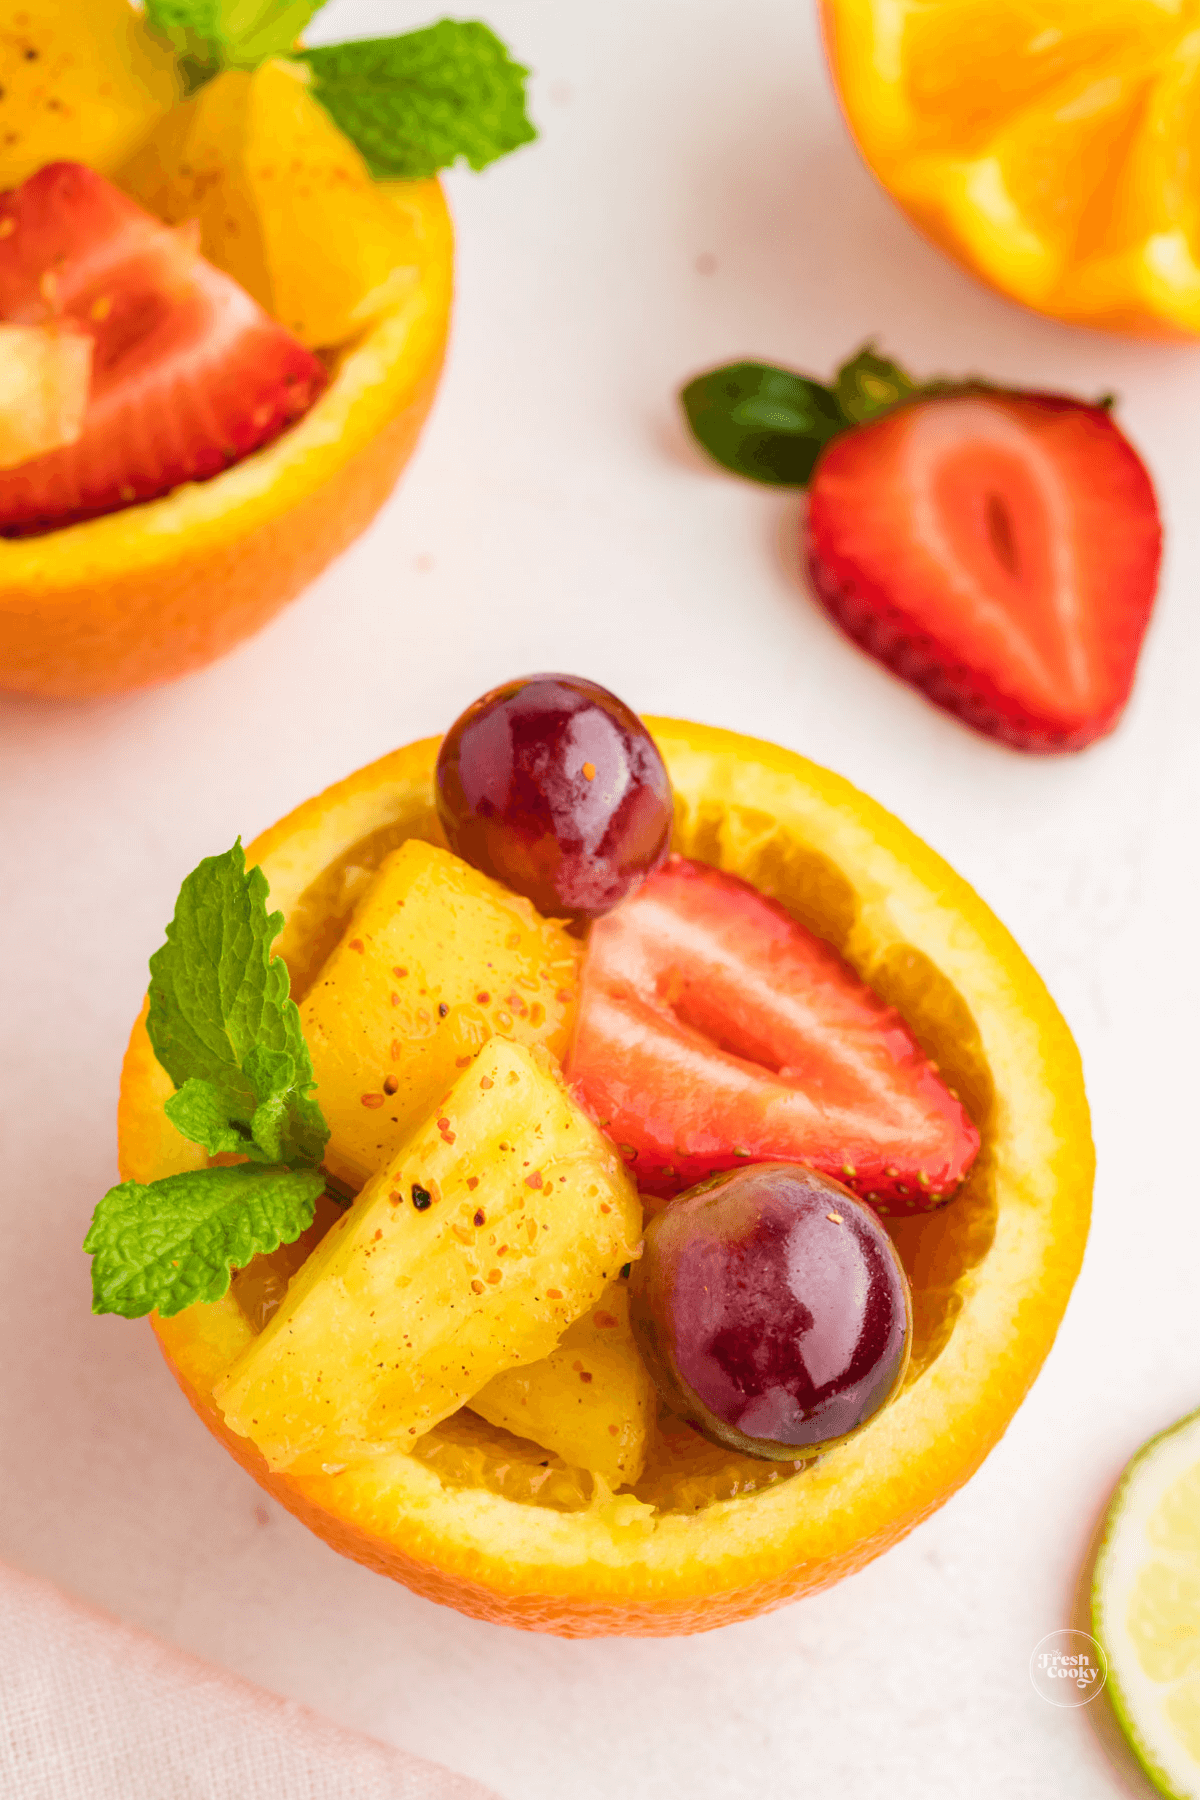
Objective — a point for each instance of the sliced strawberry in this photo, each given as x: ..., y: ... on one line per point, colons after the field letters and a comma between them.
x: 188, y: 373
x: 998, y: 550
x: 714, y: 1030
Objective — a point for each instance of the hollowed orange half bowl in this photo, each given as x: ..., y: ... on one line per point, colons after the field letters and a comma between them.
x: 151, y: 593
x: 474, y: 1519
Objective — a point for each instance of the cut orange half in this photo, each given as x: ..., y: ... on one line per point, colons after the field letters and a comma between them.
x: 479, y: 1519
x: 153, y: 592
x: 1045, y: 144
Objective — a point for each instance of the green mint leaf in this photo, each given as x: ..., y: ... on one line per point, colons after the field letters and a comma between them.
x: 418, y: 103
x: 176, y: 1242
x: 210, y: 35
x: 201, y: 1111
x: 762, y: 422
x: 222, y: 1023
x: 870, y: 384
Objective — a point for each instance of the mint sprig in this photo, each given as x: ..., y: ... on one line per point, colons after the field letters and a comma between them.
x: 771, y: 424
x: 226, y: 1031
x: 174, y: 1242
x: 419, y: 103
x: 412, y: 104
x: 223, y: 1027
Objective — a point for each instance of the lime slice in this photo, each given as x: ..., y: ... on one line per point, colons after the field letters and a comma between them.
x: 1146, y: 1607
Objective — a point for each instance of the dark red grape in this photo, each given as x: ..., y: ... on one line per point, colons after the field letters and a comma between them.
x: 772, y: 1310
x: 552, y: 785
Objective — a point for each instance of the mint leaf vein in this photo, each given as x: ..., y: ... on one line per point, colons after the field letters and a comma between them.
x: 174, y: 1242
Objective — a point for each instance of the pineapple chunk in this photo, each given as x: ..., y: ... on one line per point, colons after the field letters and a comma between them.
x: 436, y: 959
x: 498, y: 1223
x: 285, y: 202
x: 591, y: 1401
x: 45, y: 381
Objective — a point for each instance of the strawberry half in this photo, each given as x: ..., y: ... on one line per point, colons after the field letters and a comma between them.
x: 999, y: 551
x: 715, y: 1030
x: 188, y: 373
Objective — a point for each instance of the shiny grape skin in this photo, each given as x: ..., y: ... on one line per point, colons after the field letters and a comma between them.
x: 552, y: 785
x: 772, y: 1310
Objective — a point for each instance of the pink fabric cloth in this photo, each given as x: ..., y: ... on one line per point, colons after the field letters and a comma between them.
x: 91, y: 1709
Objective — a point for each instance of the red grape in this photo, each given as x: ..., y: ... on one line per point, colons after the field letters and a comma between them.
x: 772, y: 1310
x: 552, y: 785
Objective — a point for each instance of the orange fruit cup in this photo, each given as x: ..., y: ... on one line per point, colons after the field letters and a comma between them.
x: 150, y: 593
x: 1047, y: 149
x: 473, y: 1518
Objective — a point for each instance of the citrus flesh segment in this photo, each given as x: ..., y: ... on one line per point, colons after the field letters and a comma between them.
x: 590, y: 1401
x: 148, y: 594
x: 963, y: 68
x: 436, y: 958
x: 465, y: 1452
x: 708, y: 1536
x: 284, y: 201
x: 1146, y: 1607
x: 82, y: 81
x: 500, y: 1221
x: 261, y: 1287
x: 1045, y: 144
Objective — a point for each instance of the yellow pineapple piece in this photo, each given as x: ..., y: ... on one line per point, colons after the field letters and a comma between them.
x: 79, y: 80
x: 45, y: 379
x: 590, y: 1401
x: 499, y: 1222
x: 437, y: 958
x: 286, y: 204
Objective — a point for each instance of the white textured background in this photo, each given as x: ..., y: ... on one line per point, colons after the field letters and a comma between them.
x: 554, y: 517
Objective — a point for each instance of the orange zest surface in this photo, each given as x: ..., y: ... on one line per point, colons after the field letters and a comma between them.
x: 153, y: 592
x: 1045, y: 144
x: 479, y: 1519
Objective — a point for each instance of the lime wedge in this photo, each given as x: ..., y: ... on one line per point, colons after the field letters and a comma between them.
x: 1146, y: 1607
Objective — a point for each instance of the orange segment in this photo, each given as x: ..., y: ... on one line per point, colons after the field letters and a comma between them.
x: 1045, y: 144
x: 967, y: 69
x: 479, y: 1520
x: 153, y: 592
